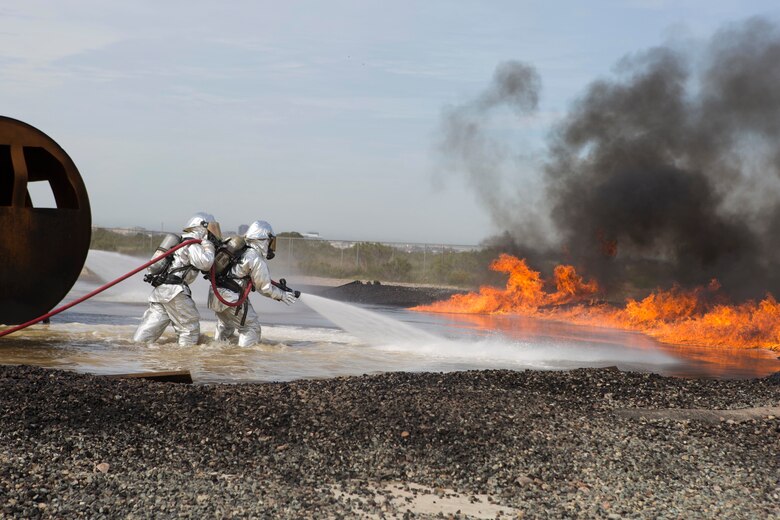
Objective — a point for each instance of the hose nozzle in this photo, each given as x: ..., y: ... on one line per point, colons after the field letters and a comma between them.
x: 282, y: 284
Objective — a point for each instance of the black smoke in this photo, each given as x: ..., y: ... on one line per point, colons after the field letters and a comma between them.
x: 672, y: 165
x: 467, y: 144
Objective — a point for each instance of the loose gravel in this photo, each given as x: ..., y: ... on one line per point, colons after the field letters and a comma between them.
x: 538, y: 444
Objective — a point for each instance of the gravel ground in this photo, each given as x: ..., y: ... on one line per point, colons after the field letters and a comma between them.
x: 531, y: 444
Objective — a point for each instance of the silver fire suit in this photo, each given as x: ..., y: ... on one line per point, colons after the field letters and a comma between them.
x: 250, y: 267
x: 172, y: 303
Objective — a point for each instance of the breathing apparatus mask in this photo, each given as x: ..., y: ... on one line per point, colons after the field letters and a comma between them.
x: 266, y: 245
x: 271, y: 247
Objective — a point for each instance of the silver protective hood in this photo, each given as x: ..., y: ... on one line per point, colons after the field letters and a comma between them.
x: 198, y: 224
x: 258, y: 230
x: 260, y: 236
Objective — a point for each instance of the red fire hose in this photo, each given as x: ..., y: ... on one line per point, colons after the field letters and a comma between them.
x: 102, y: 288
x: 99, y: 289
x: 212, y: 277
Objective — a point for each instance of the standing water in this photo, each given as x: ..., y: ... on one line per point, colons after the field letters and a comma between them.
x: 387, y: 334
x: 319, y: 338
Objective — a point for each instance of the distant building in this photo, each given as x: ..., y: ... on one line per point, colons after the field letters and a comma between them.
x: 311, y: 234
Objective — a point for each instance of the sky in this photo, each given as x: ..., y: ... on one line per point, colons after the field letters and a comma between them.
x: 315, y: 116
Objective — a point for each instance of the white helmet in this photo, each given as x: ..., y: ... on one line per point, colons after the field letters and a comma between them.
x: 197, y: 224
x: 261, y: 236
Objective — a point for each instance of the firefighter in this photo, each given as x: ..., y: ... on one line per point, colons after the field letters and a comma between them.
x: 171, y: 300
x: 248, y: 266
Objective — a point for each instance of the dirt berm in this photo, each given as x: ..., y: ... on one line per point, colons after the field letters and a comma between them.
x: 376, y: 293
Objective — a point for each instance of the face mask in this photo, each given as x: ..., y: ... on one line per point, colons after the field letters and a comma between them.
x: 271, y: 247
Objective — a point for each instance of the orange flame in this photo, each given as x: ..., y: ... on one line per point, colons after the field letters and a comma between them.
x: 677, y: 316
x: 524, y: 292
x: 570, y: 286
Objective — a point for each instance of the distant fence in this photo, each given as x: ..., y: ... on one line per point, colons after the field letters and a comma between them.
x: 385, y: 261
x: 129, y: 241
x: 456, y: 265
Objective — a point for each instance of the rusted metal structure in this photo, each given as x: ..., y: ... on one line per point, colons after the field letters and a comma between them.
x: 42, y: 249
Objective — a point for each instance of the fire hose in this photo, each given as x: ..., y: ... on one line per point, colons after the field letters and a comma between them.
x: 244, y: 296
x: 282, y: 284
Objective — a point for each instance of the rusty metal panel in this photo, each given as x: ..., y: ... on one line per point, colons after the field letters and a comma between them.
x: 42, y: 250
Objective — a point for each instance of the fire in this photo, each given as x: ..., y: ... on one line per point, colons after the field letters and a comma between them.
x: 524, y: 292
x: 570, y: 286
x: 677, y: 316
x: 661, y: 307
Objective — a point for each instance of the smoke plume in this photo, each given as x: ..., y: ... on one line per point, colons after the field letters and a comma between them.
x: 673, y: 162
x: 467, y: 145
